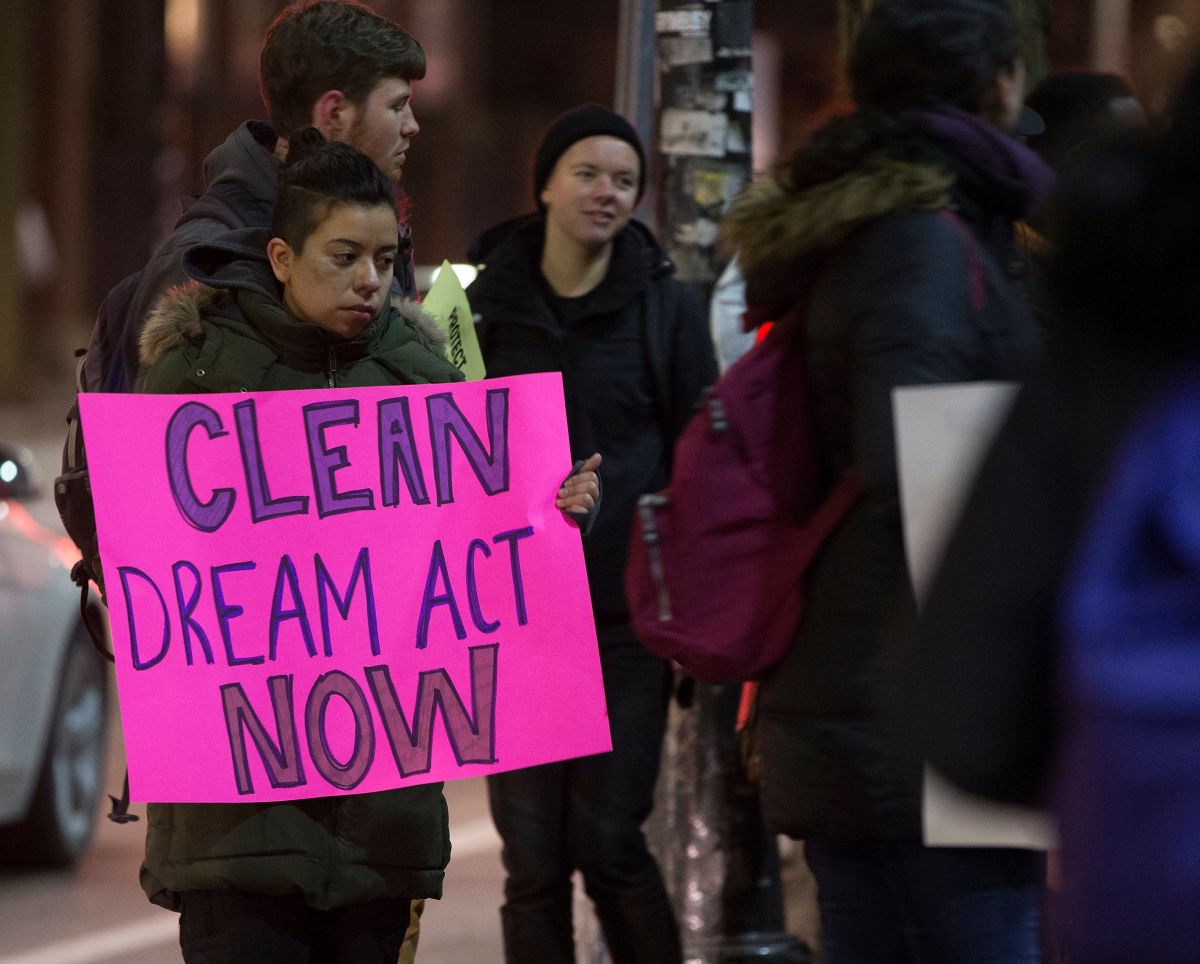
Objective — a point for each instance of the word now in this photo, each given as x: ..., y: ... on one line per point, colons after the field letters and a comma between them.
x: 471, y: 735
x: 395, y: 450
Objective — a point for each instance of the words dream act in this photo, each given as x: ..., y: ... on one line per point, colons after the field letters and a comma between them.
x: 149, y: 615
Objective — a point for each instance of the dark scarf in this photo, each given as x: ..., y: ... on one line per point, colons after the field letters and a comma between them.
x: 1022, y: 179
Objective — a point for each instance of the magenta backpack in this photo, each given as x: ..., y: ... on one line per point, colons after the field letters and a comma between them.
x: 717, y: 559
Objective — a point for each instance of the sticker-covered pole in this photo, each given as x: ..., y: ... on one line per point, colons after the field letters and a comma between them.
x: 702, y: 148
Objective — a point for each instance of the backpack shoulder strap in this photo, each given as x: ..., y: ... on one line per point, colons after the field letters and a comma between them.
x: 976, y: 276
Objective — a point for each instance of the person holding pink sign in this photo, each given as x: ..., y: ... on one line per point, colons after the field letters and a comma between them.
x: 304, y: 305
x: 580, y: 288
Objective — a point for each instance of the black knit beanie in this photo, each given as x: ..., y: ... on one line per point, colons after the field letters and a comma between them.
x: 591, y: 120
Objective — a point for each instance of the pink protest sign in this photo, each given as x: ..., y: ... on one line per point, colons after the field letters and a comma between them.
x: 342, y: 591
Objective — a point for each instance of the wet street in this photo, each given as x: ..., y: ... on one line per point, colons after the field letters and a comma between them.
x: 97, y: 913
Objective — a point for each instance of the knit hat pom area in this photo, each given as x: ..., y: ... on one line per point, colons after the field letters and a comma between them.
x: 591, y: 120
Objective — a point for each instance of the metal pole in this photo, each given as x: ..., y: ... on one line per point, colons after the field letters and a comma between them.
x: 634, y: 93
x: 719, y: 861
x: 634, y: 97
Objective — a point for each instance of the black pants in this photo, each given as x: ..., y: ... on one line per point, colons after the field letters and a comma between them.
x: 587, y: 814
x: 898, y: 902
x: 231, y: 927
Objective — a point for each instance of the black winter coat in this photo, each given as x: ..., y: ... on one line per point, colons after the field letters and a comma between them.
x: 634, y: 362
x: 887, y: 302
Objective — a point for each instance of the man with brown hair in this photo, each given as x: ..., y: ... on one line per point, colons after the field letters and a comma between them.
x: 329, y: 64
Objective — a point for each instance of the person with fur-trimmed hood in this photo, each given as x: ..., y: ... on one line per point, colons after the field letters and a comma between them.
x: 304, y: 305
x: 887, y: 250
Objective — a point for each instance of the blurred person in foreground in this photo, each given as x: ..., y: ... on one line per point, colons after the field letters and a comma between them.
x: 580, y: 288
x: 1081, y: 111
x: 1059, y: 653
x: 328, y: 64
x: 884, y: 251
x: 304, y: 305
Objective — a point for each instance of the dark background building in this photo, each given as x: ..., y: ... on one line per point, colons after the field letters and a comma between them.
x: 113, y: 104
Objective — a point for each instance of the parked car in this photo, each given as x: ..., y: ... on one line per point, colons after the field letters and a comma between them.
x: 53, y: 687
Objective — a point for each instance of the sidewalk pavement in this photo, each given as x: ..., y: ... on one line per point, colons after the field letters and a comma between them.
x: 38, y: 423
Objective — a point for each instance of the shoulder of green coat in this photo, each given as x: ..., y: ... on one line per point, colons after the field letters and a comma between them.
x: 195, y: 340
x: 411, y: 317
x: 176, y: 320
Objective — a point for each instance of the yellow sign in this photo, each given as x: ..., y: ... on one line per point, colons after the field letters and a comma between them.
x: 447, y: 302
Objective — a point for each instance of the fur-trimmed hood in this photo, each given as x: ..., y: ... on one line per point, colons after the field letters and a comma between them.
x: 863, y: 167
x: 237, y: 263
x: 773, y: 224
x: 175, y: 318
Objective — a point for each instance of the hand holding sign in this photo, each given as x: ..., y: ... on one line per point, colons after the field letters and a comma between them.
x: 580, y: 491
x: 347, y: 590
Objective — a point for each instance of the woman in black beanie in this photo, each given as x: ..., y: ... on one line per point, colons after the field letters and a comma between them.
x: 578, y: 287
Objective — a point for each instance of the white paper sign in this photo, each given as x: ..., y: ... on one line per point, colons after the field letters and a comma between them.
x: 942, y: 435
x: 951, y: 817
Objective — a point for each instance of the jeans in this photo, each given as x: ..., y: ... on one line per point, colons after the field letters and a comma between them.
x: 904, y: 903
x: 232, y: 927
x: 587, y: 814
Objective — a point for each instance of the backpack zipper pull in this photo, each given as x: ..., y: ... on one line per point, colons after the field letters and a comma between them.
x: 647, y: 506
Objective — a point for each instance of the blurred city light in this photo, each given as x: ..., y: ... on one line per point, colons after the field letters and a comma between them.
x: 182, y: 29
